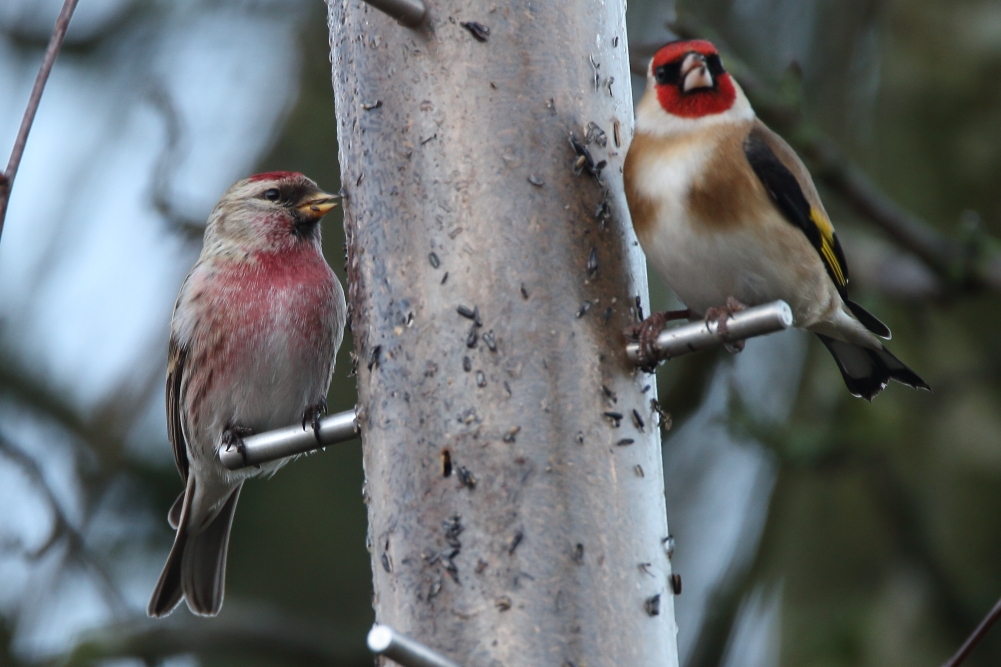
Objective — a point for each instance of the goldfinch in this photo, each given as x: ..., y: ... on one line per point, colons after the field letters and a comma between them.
x: 728, y: 215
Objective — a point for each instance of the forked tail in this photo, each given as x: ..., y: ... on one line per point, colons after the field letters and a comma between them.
x: 196, y: 566
x: 867, y: 371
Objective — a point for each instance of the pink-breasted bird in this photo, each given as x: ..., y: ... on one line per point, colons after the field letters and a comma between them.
x: 728, y: 214
x: 255, y: 330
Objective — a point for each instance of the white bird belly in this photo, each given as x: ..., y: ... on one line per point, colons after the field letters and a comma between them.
x: 755, y: 260
x: 704, y: 267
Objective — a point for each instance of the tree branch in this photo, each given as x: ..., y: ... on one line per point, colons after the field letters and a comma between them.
x: 261, y: 636
x: 975, y: 637
x: 62, y: 528
x: 175, y: 150
x: 961, y: 266
x: 51, y: 52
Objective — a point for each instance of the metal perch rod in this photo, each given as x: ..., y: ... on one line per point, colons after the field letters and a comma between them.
x: 384, y: 640
x: 291, y: 440
x: 757, y: 321
x: 408, y: 12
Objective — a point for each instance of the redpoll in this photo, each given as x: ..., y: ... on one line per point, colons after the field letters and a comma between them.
x: 256, y: 327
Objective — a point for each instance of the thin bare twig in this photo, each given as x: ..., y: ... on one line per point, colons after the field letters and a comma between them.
x: 55, y: 43
x: 975, y: 637
x: 173, y: 153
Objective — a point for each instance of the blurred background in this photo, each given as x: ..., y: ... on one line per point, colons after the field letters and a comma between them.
x: 812, y: 528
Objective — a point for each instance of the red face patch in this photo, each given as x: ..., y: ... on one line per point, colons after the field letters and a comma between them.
x: 676, y: 51
x: 699, y: 102
x: 274, y: 176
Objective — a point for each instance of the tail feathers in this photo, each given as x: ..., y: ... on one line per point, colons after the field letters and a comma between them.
x: 868, y: 320
x: 867, y: 371
x: 196, y: 566
x: 203, y: 572
x: 167, y: 594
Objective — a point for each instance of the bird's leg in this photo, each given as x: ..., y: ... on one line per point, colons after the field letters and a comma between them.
x: 312, y: 415
x: 720, y: 315
x: 646, y: 332
x: 232, y: 436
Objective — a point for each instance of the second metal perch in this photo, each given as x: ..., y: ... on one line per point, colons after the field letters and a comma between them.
x: 384, y: 640
x: 758, y: 321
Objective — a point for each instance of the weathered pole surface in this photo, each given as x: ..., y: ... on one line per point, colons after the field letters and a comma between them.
x: 514, y: 480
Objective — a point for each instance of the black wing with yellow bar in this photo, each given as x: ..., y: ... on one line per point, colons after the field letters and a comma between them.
x: 787, y: 194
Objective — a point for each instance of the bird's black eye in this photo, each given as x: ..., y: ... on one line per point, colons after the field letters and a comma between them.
x: 272, y: 194
x: 668, y: 74
x: 715, y: 65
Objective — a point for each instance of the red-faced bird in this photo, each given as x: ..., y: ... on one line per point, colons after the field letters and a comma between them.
x: 729, y: 216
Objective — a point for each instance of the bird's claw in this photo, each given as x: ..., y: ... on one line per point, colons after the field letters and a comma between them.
x: 312, y: 415
x: 720, y: 315
x: 734, y: 347
x: 233, y: 436
x: 646, y: 333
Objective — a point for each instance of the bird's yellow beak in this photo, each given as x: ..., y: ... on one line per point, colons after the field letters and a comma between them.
x: 318, y: 205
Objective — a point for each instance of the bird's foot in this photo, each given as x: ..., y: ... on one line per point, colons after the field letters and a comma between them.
x: 233, y: 436
x: 312, y: 414
x: 734, y: 347
x: 646, y: 332
x: 720, y: 315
